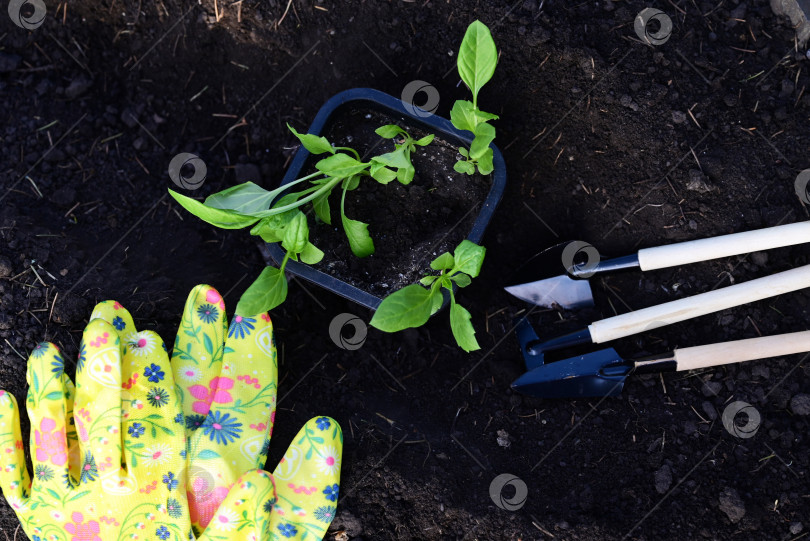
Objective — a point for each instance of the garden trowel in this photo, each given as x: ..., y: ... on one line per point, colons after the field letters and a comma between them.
x: 603, y: 373
x: 554, y: 278
x: 621, y: 326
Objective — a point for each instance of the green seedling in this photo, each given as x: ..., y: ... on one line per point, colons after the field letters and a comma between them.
x: 278, y: 218
x: 477, y: 58
x: 413, y: 305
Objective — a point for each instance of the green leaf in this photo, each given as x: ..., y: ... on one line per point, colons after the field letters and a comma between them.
x: 444, y: 261
x: 209, y: 345
x: 268, y: 291
x: 395, y: 159
x: 313, y: 143
x: 359, y: 239
x: 424, y: 141
x: 477, y: 57
x: 321, y: 206
x: 340, y: 166
x: 463, y: 330
x: 350, y: 183
x: 54, y: 395
x: 438, y: 300
x: 225, y: 219
x: 268, y: 229
x: 311, y: 254
x: 469, y: 257
x: 462, y: 115
x: 405, y: 175
x: 381, y: 173
x: 296, y: 235
x: 244, y: 198
x: 428, y: 280
x: 389, y: 131
x: 408, y: 307
x: 484, y: 134
x: 485, y: 166
x: 463, y: 166
x: 207, y: 454
x: 53, y: 494
x: 463, y: 151
x: 461, y: 279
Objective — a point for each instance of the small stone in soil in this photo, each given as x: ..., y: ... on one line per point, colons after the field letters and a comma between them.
x: 504, y: 440
x: 732, y: 505
x: 77, y: 87
x: 5, y: 267
x: 796, y: 528
x: 663, y: 479
x: 698, y: 182
x: 800, y: 404
x: 709, y: 409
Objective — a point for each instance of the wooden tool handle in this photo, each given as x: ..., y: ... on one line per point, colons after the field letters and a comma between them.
x: 742, y: 350
x: 699, y: 305
x: 684, y: 253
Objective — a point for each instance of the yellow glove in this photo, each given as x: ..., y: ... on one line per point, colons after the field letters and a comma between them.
x: 227, y: 380
x: 110, y: 466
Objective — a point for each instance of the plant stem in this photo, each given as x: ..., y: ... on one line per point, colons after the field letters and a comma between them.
x: 325, y: 188
x: 284, y: 262
x: 353, y: 151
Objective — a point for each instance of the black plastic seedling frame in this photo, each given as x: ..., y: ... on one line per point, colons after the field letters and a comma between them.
x: 376, y: 100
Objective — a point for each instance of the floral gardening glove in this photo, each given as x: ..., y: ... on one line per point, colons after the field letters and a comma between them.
x: 110, y: 466
x: 227, y: 378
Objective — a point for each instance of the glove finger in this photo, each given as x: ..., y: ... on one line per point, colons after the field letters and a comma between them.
x: 133, y: 392
x: 48, y: 403
x: 232, y: 416
x: 198, y: 350
x: 116, y: 315
x: 245, y: 514
x: 14, y: 478
x: 308, y: 480
x: 97, y: 408
x: 153, y: 421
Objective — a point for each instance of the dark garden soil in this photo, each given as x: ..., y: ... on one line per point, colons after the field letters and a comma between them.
x: 410, y: 225
x: 606, y: 140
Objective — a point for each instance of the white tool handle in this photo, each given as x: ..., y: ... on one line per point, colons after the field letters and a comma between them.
x: 742, y: 350
x: 698, y: 305
x: 684, y: 253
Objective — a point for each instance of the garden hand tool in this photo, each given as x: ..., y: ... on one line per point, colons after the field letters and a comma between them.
x: 539, y: 280
x: 109, y: 465
x: 603, y: 373
x: 227, y: 376
x: 631, y: 323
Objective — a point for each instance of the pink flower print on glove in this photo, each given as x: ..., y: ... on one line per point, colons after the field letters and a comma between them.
x: 82, y: 531
x: 50, y: 443
x: 217, y: 391
x: 202, y: 508
x: 213, y: 297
